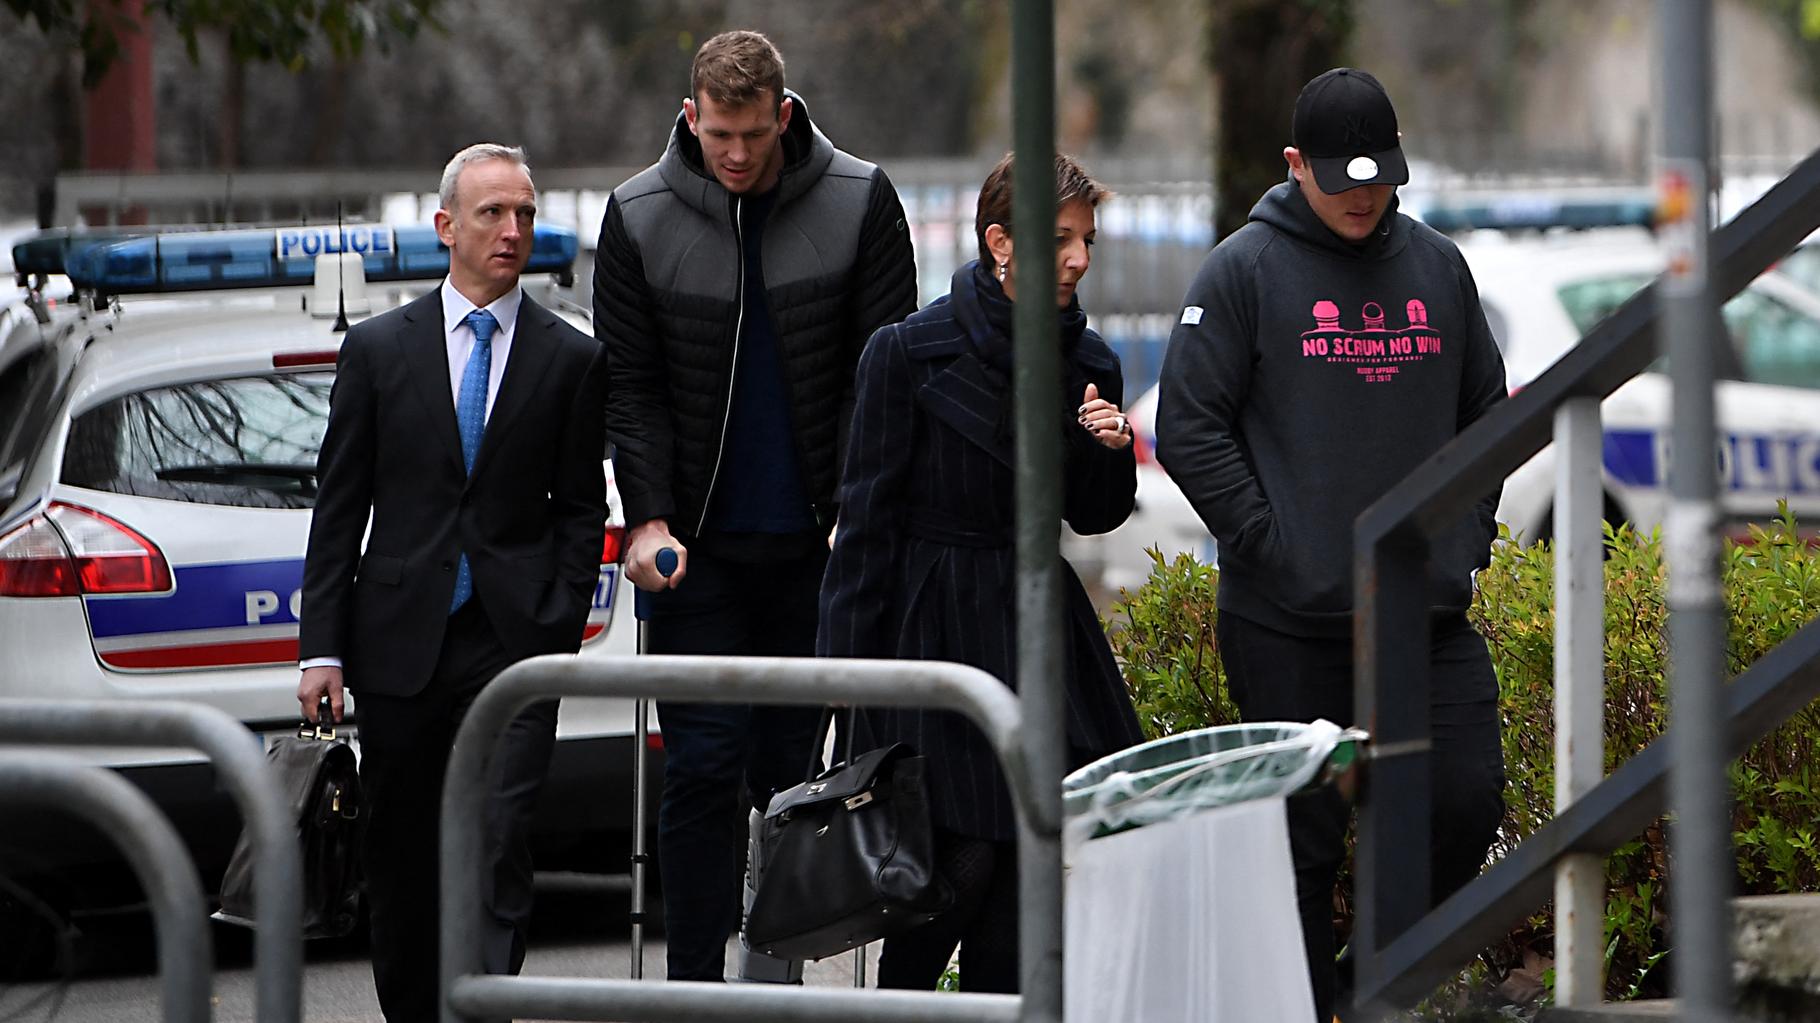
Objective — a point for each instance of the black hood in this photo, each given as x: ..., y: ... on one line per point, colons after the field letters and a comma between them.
x: 1286, y: 209
x: 807, y: 153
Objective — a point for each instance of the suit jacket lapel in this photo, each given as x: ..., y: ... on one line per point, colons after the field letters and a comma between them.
x: 962, y: 395
x: 425, y: 354
x: 533, y: 344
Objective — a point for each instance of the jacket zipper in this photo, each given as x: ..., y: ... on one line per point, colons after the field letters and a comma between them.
x: 739, y: 327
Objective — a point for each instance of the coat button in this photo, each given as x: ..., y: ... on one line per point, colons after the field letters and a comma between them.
x: 448, y: 566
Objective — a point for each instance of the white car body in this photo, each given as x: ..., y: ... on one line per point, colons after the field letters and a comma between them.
x: 1768, y: 407
x: 223, y: 631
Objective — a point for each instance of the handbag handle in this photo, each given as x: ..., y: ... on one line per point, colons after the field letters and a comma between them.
x: 822, y: 725
x: 324, y: 725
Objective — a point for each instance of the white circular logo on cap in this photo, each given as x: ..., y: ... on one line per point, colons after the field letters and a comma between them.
x: 1362, y: 168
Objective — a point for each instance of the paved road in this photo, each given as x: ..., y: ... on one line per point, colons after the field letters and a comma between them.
x: 575, y: 934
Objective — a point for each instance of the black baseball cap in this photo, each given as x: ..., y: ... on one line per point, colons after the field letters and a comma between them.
x: 1347, y: 132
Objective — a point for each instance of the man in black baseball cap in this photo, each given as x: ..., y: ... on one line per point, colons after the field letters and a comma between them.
x: 1323, y: 351
x: 1346, y: 130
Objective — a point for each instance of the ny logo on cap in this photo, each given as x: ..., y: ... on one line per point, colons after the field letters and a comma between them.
x: 1358, y: 130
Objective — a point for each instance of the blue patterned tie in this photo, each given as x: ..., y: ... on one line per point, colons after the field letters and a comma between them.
x: 471, y: 420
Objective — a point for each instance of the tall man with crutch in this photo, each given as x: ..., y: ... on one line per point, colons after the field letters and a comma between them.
x: 735, y: 282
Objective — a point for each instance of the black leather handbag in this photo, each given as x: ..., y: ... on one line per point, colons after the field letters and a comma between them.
x: 846, y: 858
x: 320, y: 779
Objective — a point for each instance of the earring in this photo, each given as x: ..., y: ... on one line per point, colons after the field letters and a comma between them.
x: 1001, y: 271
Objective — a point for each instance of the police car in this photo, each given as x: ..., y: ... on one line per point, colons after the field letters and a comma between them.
x: 1542, y: 294
x: 158, y: 443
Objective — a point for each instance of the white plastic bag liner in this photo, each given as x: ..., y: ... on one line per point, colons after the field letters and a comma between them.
x: 1189, y: 920
x: 1193, y: 771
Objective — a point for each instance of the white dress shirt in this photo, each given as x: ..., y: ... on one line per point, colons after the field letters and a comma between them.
x: 458, y: 337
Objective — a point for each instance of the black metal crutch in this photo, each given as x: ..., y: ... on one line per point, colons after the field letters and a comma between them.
x: 641, y: 609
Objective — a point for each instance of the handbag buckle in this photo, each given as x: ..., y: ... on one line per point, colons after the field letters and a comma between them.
x: 324, y: 726
x: 855, y: 802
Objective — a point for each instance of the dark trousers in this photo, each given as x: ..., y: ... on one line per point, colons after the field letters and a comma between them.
x: 983, y: 922
x: 1274, y: 676
x: 722, y: 760
x: 404, y: 744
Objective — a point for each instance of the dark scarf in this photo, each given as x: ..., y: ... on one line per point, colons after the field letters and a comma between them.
x: 985, y: 313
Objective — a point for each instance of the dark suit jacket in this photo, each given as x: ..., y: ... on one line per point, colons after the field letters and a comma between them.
x: 530, y: 518
x: 924, y: 565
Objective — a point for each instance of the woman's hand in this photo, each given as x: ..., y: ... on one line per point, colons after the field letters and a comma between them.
x: 1104, y: 420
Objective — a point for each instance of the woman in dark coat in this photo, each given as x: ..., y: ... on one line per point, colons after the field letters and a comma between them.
x: 923, y: 565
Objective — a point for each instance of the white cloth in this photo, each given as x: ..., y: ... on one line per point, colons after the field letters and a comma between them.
x: 1191, y: 920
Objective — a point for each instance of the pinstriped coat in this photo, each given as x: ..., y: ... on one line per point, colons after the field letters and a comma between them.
x: 923, y: 564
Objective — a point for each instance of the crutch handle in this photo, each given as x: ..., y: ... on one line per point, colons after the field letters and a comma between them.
x: 666, y: 562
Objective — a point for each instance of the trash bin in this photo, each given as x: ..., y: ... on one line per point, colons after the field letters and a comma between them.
x: 1180, y: 896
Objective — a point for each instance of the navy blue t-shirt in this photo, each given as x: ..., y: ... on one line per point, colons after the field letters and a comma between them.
x: 760, y: 489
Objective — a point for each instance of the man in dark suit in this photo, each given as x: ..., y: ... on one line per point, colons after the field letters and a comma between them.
x: 468, y: 426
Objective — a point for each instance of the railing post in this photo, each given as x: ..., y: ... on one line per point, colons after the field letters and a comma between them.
x: 234, y: 754
x: 151, y: 847
x: 1579, y: 693
x: 1391, y: 702
x: 799, y: 681
x: 1037, y: 370
x: 1700, y: 839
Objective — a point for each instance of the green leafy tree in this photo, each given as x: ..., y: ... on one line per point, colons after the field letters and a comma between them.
x: 1802, y: 19
x: 291, y: 34
x: 283, y: 32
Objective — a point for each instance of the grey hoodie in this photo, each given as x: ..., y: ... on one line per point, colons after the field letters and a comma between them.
x: 1305, y: 376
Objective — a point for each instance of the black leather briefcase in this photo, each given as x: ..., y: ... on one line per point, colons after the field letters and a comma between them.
x: 320, y: 779
x: 846, y: 858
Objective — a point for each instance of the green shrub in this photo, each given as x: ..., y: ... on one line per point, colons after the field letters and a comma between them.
x: 1163, y: 635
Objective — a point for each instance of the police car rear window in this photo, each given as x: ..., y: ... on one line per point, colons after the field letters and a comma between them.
x: 1588, y: 302
x: 1778, y: 344
x: 1803, y: 265
x: 247, y: 442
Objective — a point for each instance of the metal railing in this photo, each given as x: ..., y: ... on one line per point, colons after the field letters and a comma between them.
x: 234, y: 752
x: 126, y: 815
x: 1401, y: 953
x: 987, y: 702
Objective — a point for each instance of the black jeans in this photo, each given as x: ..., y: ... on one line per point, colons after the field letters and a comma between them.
x: 404, y: 752
x: 721, y: 760
x: 1274, y: 676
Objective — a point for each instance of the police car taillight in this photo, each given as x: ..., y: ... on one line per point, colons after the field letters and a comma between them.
x: 35, y: 563
x: 71, y: 550
x: 1141, y: 444
x: 613, y: 545
x: 305, y: 360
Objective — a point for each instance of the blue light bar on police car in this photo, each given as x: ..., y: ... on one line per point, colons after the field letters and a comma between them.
x: 1535, y: 212
x: 46, y: 252
x: 277, y: 257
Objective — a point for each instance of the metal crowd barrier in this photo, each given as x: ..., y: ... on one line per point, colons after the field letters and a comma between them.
x: 471, y: 994
x: 141, y: 832
x: 278, y: 883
